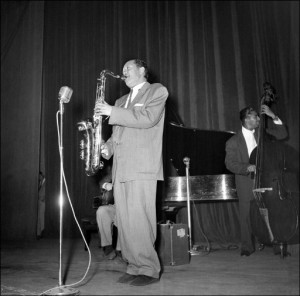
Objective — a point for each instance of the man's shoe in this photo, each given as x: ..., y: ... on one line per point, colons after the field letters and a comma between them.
x: 111, y: 256
x: 107, y: 250
x: 126, y: 278
x: 245, y: 253
x: 143, y: 280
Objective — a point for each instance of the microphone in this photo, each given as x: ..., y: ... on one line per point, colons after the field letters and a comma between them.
x: 186, y: 161
x: 65, y: 94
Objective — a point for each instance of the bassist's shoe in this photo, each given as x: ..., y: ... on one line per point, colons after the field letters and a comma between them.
x: 245, y: 253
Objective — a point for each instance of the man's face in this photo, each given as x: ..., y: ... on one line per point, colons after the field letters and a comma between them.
x: 134, y: 75
x: 252, y: 120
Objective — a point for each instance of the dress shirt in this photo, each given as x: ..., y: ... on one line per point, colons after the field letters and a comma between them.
x: 250, y: 139
x: 133, y: 93
x: 277, y: 120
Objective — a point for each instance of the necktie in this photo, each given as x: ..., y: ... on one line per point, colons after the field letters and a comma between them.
x: 129, y: 98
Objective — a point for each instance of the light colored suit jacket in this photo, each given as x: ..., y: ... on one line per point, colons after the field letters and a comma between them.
x: 136, y: 141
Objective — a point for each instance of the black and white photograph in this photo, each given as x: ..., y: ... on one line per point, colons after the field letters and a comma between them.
x: 149, y: 147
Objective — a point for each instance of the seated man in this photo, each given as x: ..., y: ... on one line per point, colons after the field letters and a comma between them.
x: 105, y: 217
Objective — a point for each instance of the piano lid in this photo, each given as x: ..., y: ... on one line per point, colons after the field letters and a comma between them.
x: 208, y: 177
x: 205, y: 148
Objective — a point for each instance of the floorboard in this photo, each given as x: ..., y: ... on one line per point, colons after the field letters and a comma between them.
x: 31, y: 268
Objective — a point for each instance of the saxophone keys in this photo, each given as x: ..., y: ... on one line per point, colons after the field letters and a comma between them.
x: 81, y: 155
x: 81, y: 144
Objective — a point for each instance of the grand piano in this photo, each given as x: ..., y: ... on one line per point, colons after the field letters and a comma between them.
x: 212, y: 187
x: 208, y: 177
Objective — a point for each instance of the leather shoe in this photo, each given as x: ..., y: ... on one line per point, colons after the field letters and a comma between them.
x: 126, y: 278
x: 143, y: 280
x: 107, y: 250
x: 245, y: 253
x: 111, y: 256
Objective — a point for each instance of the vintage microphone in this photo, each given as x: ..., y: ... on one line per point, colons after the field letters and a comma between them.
x: 186, y: 161
x: 64, y: 96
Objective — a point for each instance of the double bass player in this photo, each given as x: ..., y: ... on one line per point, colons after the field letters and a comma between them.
x: 237, y: 160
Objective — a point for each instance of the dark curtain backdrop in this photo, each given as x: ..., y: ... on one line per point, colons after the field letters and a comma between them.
x: 22, y: 33
x: 213, y: 56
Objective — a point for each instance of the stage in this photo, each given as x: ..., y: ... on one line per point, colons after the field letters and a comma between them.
x: 31, y: 268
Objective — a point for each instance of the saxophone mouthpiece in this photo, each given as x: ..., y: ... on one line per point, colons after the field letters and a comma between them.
x: 108, y: 72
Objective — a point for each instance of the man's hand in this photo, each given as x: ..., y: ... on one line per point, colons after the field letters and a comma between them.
x: 104, y: 150
x: 108, y: 186
x: 102, y: 109
x: 251, y: 168
x: 266, y: 110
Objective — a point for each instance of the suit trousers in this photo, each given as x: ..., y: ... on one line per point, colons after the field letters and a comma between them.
x: 137, y: 226
x: 105, y: 217
x: 244, y: 190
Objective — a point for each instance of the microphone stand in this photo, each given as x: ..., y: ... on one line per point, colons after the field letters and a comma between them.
x: 61, y: 289
x: 186, y: 161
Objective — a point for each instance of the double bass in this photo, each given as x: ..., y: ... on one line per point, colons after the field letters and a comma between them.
x: 273, y: 214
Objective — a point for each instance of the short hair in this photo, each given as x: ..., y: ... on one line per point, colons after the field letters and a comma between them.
x: 141, y: 63
x: 245, y: 112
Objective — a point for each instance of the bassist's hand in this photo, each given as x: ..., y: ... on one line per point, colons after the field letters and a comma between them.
x: 251, y: 168
x: 266, y: 110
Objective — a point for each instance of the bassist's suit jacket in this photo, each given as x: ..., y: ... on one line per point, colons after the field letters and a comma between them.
x: 237, y: 161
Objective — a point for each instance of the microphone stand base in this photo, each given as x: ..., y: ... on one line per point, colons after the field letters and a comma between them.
x: 62, y: 291
x: 194, y: 252
x: 197, y: 250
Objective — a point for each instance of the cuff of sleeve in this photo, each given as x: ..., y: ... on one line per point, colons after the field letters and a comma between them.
x: 276, y: 120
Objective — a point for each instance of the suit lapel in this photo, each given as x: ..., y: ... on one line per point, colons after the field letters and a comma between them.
x: 123, y: 103
x: 118, y: 130
x: 243, y: 145
x: 140, y: 93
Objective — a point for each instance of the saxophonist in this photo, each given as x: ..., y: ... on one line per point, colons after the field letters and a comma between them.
x: 136, y: 146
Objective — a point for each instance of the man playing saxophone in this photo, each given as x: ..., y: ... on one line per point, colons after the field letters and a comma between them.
x: 136, y: 145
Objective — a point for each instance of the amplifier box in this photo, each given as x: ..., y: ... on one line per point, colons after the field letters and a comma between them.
x: 172, y: 244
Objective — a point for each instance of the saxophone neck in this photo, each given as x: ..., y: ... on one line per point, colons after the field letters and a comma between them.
x: 108, y: 72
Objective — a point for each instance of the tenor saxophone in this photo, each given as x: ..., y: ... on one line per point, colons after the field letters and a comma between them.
x: 90, y: 146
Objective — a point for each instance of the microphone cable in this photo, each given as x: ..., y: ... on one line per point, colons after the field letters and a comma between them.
x: 209, y: 248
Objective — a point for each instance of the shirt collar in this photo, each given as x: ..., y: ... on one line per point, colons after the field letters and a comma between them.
x: 139, y: 86
x: 247, y: 132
